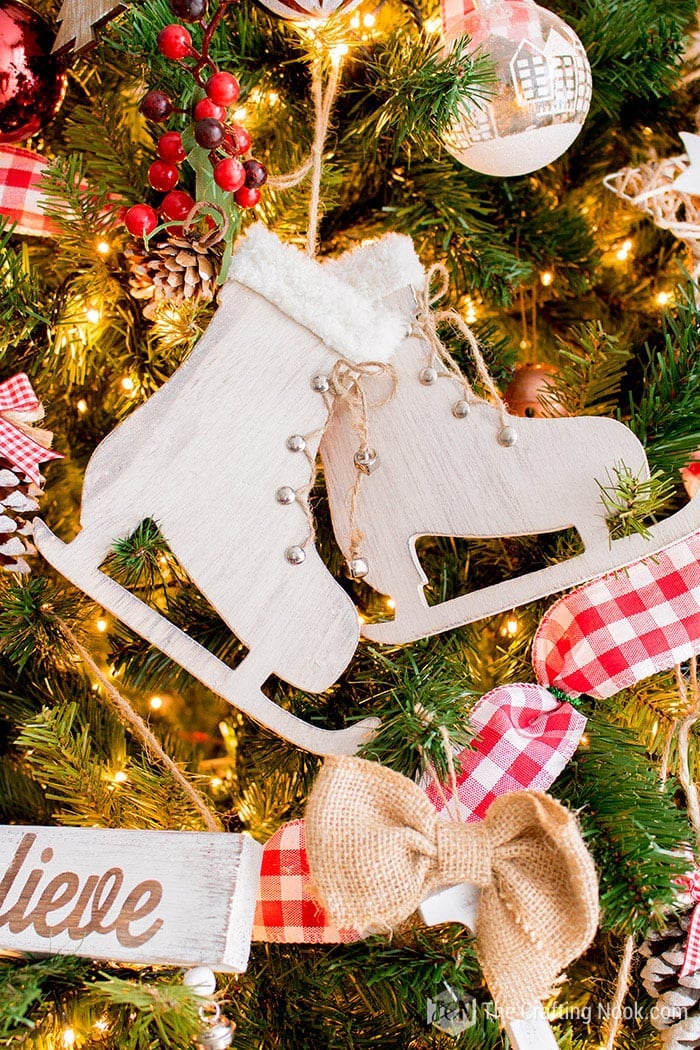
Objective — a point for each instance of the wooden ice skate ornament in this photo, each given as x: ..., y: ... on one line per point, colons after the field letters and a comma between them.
x: 461, y: 904
x: 79, y: 20
x: 237, y: 429
x: 450, y: 464
x: 163, y: 897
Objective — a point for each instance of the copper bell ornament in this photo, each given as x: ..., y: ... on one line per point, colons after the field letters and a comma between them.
x: 218, y: 1035
x: 531, y: 392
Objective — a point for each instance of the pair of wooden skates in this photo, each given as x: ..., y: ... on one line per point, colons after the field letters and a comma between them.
x: 238, y: 428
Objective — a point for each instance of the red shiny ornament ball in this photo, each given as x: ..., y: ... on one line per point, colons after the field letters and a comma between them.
x: 32, y: 80
x: 206, y: 108
x: 223, y: 89
x: 162, y: 176
x: 531, y: 392
x: 238, y: 139
x: 247, y: 197
x: 156, y: 106
x: 176, y: 205
x: 170, y: 147
x: 255, y: 174
x: 140, y: 220
x: 174, y: 41
x: 229, y: 174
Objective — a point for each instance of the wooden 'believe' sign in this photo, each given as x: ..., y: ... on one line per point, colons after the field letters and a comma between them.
x: 179, y: 898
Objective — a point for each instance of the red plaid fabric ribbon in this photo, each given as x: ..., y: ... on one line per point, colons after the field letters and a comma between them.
x: 618, y: 630
x: 525, y: 738
x: 20, y: 191
x: 18, y: 402
x: 691, y: 962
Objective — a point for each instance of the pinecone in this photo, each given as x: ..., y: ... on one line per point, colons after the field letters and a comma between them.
x: 18, y: 505
x: 182, y: 267
x: 677, y: 1011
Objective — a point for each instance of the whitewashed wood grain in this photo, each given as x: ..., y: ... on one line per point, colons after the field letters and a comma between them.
x: 170, y: 897
x: 443, y: 476
x: 79, y: 19
x: 205, y: 457
x: 461, y: 904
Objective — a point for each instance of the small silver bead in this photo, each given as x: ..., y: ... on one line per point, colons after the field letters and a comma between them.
x: 218, y: 1037
x: 320, y: 384
x: 296, y: 443
x: 507, y: 436
x: 428, y: 375
x: 366, y: 460
x: 357, y: 568
x: 460, y: 409
x: 295, y: 555
x: 201, y: 980
x: 285, y: 495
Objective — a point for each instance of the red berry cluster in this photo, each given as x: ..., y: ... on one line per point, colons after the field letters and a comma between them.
x: 227, y: 143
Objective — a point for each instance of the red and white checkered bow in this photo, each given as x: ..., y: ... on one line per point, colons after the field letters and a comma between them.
x: 21, y: 196
x: 691, y: 962
x: 23, y: 445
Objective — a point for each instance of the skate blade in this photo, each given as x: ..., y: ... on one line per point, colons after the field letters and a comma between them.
x: 422, y: 620
x: 233, y: 684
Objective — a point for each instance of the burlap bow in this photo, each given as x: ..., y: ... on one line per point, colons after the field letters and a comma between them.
x: 377, y: 849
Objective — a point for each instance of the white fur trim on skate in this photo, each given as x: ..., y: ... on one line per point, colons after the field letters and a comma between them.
x: 380, y: 268
x: 344, y: 318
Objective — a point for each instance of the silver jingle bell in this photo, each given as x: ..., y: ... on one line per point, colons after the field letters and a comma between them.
x: 366, y: 460
x: 460, y: 409
x: 218, y: 1037
x: 507, y: 436
x: 286, y: 495
x: 295, y: 555
x: 320, y: 384
x: 428, y: 375
x: 296, y: 442
x: 357, y: 568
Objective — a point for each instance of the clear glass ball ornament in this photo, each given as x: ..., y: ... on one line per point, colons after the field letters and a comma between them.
x: 542, y: 93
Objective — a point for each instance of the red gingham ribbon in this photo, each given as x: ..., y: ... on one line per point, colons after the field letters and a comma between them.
x: 525, y: 738
x: 21, y: 196
x: 17, y: 399
x: 691, y: 961
x: 618, y: 630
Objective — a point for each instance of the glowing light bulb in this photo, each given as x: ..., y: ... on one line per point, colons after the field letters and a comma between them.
x: 524, y: 344
x: 624, y: 251
x: 273, y: 98
x: 663, y: 298
x: 82, y: 406
x: 215, y: 782
x: 368, y: 21
x: 102, y: 1024
x: 546, y: 278
x: 584, y: 741
x: 512, y: 625
x: 103, y: 247
x: 101, y: 625
x: 68, y: 1037
x: 240, y: 114
x: 93, y: 315
x: 120, y: 777
x: 355, y: 22
x: 390, y: 603
x: 155, y: 703
x: 469, y: 307
x: 128, y: 383
x: 338, y: 53
x: 434, y: 25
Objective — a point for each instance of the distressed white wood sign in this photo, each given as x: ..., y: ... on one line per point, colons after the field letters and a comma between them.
x: 461, y: 904
x: 441, y: 474
x: 170, y: 897
x: 79, y: 19
x: 222, y: 458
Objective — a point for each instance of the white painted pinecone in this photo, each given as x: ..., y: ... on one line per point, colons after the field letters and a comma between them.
x: 18, y: 505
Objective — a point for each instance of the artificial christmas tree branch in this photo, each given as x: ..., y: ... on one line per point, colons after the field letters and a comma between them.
x: 145, y: 735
